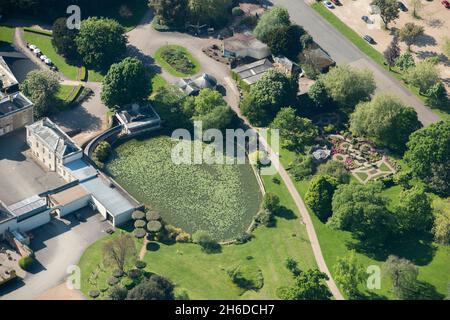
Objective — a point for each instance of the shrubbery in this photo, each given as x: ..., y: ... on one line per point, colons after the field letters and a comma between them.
x: 26, y: 262
x: 204, y: 239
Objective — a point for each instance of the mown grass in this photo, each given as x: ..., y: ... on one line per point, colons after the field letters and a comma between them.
x: 204, y: 276
x: 64, y: 92
x: 185, y: 66
x: 45, y: 44
x: 376, y: 56
x: 157, y: 81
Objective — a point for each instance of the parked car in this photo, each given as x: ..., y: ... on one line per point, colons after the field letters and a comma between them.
x: 32, y: 47
x: 446, y: 4
x: 369, y: 39
x: 43, y: 57
x: 328, y: 4
x: 366, y: 19
x: 37, y: 52
x: 336, y: 2
x: 402, y: 6
x: 48, y: 62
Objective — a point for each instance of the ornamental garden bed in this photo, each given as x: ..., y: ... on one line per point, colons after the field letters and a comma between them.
x: 177, y: 60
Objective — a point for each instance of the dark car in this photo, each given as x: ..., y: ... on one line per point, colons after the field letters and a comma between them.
x: 446, y: 4
x: 336, y: 2
x: 366, y: 19
x: 369, y: 39
x: 402, y: 6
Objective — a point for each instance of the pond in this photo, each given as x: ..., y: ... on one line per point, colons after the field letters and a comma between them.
x: 219, y: 199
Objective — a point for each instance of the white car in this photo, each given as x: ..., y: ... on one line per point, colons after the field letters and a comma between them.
x: 37, y: 51
x: 32, y: 47
x: 43, y: 57
x: 48, y: 62
x: 328, y: 4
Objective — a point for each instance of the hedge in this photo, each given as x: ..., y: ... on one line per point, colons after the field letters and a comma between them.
x: 38, y: 31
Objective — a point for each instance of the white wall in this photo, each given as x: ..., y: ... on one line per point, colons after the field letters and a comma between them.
x: 100, y: 207
x: 34, y: 221
x: 5, y: 225
x: 73, y: 157
x: 123, y: 218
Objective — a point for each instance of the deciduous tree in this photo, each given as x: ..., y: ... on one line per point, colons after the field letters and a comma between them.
x: 414, y: 212
x: 389, y: 10
x: 309, y: 285
x: 424, y: 75
x: 392, y: 52
x: 171, y: 13
x: 348, y: 273
x: 403, y: 276
x: 409, y: 33
x: 276, y: 18
x: 320, y: 194
x: 63, y: 39
x: 119, y: 251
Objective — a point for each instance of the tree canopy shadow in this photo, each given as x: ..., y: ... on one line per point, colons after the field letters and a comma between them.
x: 285, y: 213
x: 425, y: 40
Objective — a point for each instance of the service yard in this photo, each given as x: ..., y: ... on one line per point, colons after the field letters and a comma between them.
x: 433, y: 16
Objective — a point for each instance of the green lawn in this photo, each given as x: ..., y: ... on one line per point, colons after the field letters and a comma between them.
x: 220, y: 199
x: 430, y: 257
x: 358, y: 41
x: 177, y: 60
x: 158, y: 82
x: 95, y: 76
x: 204, y: 276
x: 6, y: 36
x: 64, y: 92
x: 45, y: 44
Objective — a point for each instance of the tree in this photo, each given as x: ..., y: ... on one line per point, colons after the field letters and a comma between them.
x: 295, y: 131
x: 292, y: 266
x: 126, y: 82
x: 271, y: 202
x: 347, y: 85
x: 417, y: 5
x: 320, y: 195
x: 409, y: 33
x: 319, y: 95
x: 204, y: 239
x: 335, y: 169
x: 154, y: 288
x: 389, y: 10
x: 386, y: 120
x: 102, y: 151
x: 273, y: 20
x: 119, y: 251
x: 210, y: 108
x: 285, y: 41
x: 392, y: 52
x: 405, y: 61
x: 267, y: 96
x: 441, y: 227
x: 171, y: 13
x: 362, y: 210
x: 63, y: 38
x: 41, y: 87
x: 170, y: 99
x: 424, y: 75
x: 213, y: 12
x: 439, y: 181
x: 118, y: 293
x: 437, y: 95
x: 101, y: 42
x: 403, y: 275
x: 302, y: 167
x: 414, y: 212
x: 348, y: 274
x: 429, y: 147
x: 309, y: 285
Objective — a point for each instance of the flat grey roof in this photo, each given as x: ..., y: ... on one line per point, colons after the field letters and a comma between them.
x: 12, y: 103
x: 4, y: 213
x: 114, y: 201
x: 81, y: 170
x: 252, y: 72
x: 28, y: 206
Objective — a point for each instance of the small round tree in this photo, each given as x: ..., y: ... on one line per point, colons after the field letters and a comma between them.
x: 154, y: 226
x: 139, y: 233
x: 139, y: 224
x: 138, y: 215
x: 152, y: 216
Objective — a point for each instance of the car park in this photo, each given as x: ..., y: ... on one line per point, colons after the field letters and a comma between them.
x: 328, y: 4
x: 369, y: 39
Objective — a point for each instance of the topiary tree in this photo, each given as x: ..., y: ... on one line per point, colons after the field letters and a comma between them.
x: 112, y: 281
x: 152, y: 215
x: 140, y: 264
x: 139, y: 224
x: 138, y: 215
x: 154, y: 226
x: 320, y: 194
x: 139, y: 233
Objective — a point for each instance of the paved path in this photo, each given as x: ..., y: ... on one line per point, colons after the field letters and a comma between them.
x: 145, y: 41
x: 344, y: 51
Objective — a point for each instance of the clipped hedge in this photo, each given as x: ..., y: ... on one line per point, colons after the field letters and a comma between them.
x: 38, y: 31
x: 139, y: 224
x: 154, y: 226
x: 134, y: 273
x: 112, y: 281
x: 152, y: 215
x: 94, y: 293
x: 139, y: 233
x: 140, y: 264
x: 117, y: 273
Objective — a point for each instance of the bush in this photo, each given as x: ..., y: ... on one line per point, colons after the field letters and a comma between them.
x: 118, y: 293
x: 138, y: 215
x: 152, y: 215
x: 183, y: 237
x: 205, y: 240
x: 276, y: 180
x: 236, y: 12
x: 26, y: 263
x: 154, y: 226
x: 112, y: 281
x: 102, y: 152
x: 140, y: 264
x: 128, y: 283
x: 244, y: 238
x: 134, y: 274
x: 94, y: 294
x: 271, y: 202
x: 248, y: 277
x: 139, y: 233
x: 266, y: 218
x: 117, y: 273
x: 139, y: 224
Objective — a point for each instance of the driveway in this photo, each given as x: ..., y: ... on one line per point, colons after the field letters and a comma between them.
x: 20, y: 176
x: 343, y: 51
x: 57, y: 245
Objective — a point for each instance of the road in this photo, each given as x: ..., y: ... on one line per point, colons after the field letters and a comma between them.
x: 344, y: 51
x: 144, y: 40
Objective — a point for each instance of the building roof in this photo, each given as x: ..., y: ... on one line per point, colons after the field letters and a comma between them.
x: 191, y: 86
x: 252, y: 72
x: 67, y: 196
x: 81, y: 170
x: 243, y: 41
x: 320, y: 57
x: 5, y: 214
x: 54, y: 138
x: 11, y: 103
x: 137, y: 116
x: 107, y: 194
x: 29, y: 206
x: 7, y: 77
